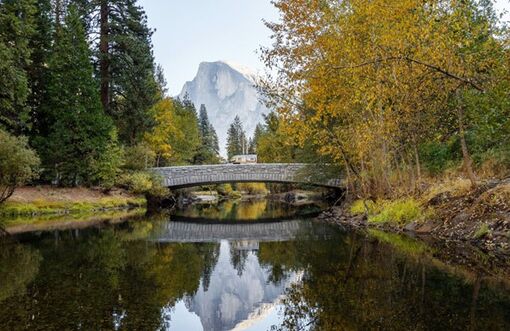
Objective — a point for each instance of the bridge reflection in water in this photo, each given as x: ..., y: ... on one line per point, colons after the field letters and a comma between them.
x: 189, y: 232
x: 238, y: 293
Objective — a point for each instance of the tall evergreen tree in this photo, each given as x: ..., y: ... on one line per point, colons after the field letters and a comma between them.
x: 237, y: 142
x: 133, y: 86
x: 208, y: 151
x: 125, y: 64
x: 259, y: 131
x: 74, y: 131
x: 16, y: 30
x: 40, y: 43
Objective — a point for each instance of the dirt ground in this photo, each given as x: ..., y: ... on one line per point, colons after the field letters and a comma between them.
x: 59, y: 194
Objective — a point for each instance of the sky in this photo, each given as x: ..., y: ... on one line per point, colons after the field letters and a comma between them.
x: 192, y: 31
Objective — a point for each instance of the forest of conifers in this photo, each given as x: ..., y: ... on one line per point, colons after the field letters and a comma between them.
x: 82, y: 100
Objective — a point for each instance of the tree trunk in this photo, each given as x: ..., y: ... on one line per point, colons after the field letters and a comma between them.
x: 58, y: 18
x: 467, y: 160
x: 417, y: 160
x: 7, y: 191
x: 104, y: 61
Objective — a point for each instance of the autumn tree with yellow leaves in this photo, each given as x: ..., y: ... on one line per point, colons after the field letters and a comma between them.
x: 369, y: 82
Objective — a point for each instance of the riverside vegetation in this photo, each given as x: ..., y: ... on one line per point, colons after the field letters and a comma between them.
x: 84, y: 104
x: 409, y: 100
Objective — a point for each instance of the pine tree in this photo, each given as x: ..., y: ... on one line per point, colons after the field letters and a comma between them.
x: 16, y: 29
x: 133, y: 86
x: 125, y: 64
x: 74, y: 131
x: 259, y: 131
x: 40, y: 44
x: 208, y: 152
x: 237, y: 142
x: 214, y: 140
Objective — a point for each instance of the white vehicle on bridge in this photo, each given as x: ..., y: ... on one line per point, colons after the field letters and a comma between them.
x: 244, y: 159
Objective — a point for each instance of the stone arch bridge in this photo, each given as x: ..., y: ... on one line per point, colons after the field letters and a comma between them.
x: 188, y: 176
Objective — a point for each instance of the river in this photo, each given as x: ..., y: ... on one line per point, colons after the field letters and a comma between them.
x: 253, y: 265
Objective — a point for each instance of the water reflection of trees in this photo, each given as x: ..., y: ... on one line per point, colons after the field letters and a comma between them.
x: 99, y: 281
x: 115, y: 278
x: 19, y: 265
x: 246, y: 210
x: 359, y: 283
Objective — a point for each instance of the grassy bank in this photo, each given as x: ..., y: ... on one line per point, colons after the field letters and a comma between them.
x: 449, y: 209
x: 50, y: 201
x: 42, y: 207
x: 30, y: 223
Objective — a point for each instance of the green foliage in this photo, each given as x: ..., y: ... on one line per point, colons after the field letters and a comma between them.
x: 136, y: 182
x: 133, y: 86
x: 46, y: 207
x: 16, y: 30
x: 18, y: 163
x: 143, y: 183
x: 360, y: 207
x: 209, y: 149
x: 185, y: 144
x: 439, y: 156
x: 73, y: 132
x: 482, y: 231
x: 257, y: 134
x: 107, y: 167
x: 138, y: 157
x: 273, y: 145
x: 237, y: 143
x: 401, y: 211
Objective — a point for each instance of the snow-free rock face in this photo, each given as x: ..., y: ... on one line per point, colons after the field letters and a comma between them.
x: 227, y: 90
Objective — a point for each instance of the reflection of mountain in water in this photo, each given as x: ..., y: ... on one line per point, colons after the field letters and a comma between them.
x: 236, y: 292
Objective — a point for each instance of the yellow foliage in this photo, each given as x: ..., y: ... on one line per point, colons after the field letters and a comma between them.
x: 367, y: 80
x: 158, y: 138
x: 252, y: 188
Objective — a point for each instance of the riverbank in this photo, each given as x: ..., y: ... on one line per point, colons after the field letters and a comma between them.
x: 451, y: 211
x: 47, y: 200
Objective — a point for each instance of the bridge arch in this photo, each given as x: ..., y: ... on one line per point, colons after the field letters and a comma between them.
x: 196, y: 175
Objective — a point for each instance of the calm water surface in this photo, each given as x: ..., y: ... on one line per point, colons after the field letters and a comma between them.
x: 186, y: 272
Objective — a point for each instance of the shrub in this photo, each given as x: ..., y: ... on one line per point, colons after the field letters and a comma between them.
x: 143, y: 183
x: 360, y: 207
x: 136, y: 182
x: 224, y: 189
x: 139, y: 157
x: 400, y: 211
x: 18, y: 163
x: 252, y: 188
x: 107, y: 167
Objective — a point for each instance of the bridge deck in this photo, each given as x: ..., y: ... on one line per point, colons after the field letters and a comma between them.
x: 185, y: 176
